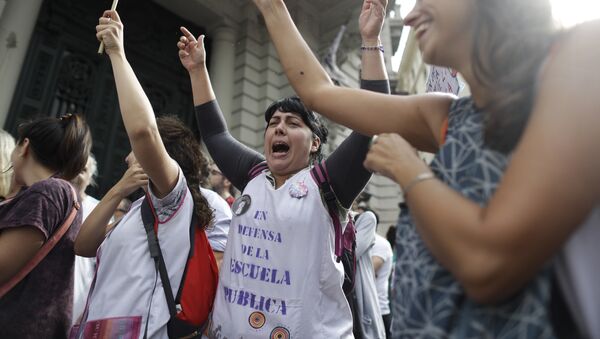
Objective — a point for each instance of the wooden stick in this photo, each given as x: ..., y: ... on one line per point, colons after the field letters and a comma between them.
x: 112, y: 8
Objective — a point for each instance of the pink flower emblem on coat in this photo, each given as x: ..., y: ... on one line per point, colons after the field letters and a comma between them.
x: 298, y: 190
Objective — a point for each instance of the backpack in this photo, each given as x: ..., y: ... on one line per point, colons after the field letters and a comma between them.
x: 190, y: 308
x: 345, y: 243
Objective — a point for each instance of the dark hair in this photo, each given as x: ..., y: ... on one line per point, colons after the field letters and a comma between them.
x: 311, y: 119
x: 184, y: 148
x: 60, y: 144
x: 511, y: 40
x: 390, y: 235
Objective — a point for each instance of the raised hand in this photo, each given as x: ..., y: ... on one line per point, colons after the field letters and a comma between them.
x: 134, y: 178
x: 262, y: 4
x: 191, y: 51
x: 392, y: 156
x: 370, y: 21
x: 110, y: 31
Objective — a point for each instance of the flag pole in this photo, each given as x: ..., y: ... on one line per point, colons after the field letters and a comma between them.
x: 112, y: 8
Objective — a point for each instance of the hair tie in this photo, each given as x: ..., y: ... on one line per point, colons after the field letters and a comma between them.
x: 66, y: 117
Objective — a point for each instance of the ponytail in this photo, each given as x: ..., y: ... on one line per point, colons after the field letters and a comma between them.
x: 60, y: 144
x: 202, y: 210
x: 74, y: 150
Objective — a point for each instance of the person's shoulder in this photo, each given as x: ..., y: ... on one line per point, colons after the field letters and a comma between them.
x: 382, y: 248
x: 216, y: 202
x: 367, y: 217
x: 588, y: 29
x: 210, y: 195
x: 435, y: 99
x: 213, y: 198
x: 89, y: 202
x: 369, y: 214
x: 569, y: 74
x: 382, y: 242
x: 581, y: 40
x: 51, y: 186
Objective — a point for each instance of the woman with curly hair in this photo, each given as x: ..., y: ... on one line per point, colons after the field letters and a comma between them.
x: 127, y: 296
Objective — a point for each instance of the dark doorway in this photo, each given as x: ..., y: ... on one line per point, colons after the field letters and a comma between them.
x: 64, y: 74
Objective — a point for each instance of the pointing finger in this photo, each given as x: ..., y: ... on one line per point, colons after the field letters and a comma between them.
x: 187, y: 34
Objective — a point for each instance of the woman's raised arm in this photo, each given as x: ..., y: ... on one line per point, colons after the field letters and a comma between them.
x: 136, y: 110
x: 417, y: 118
x: 233, y: 158
x: 550, y: 186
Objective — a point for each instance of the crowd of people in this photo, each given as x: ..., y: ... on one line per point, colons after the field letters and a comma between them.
x: 496, y: 236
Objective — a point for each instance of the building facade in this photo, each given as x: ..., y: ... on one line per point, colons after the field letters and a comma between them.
x: 49, y: 66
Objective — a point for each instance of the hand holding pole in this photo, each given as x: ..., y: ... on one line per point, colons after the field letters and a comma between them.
x: 112, y: 8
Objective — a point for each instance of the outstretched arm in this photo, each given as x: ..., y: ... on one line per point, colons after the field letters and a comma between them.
x: 550, y: 186
x: 347, y: 173
x: 417, y: 118
x: 136, y: 110
x: 232, y: 157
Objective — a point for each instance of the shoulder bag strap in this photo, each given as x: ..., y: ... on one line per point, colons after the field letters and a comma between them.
x: 150, y: 221
x: 319, y: 174
x: 44, y: 250
x: 257, y: 169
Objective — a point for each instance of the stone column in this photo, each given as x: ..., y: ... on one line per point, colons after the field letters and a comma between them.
x: 16, y: 26
x: 222, y: 67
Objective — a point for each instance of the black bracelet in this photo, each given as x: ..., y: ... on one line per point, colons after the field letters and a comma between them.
x: 372, y: 48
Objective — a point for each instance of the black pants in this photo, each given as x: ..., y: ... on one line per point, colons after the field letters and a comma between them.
x: 387, y: 324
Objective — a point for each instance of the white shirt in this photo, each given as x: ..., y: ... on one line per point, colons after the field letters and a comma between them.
x: 84, y: 267
x: 279, y: 276
x: 217, y: 232
x: 126, y: 280
x: 579, y: 277
x: 368, y: 310
x: 383, y: 249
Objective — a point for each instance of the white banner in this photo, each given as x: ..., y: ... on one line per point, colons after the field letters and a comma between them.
x: 442, y: 79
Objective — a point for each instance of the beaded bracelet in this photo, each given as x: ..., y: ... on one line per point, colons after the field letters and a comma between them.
x: 372, y: 48
x: 419, y: 178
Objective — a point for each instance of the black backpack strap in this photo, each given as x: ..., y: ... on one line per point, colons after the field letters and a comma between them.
x: 150, y: 219
x: 257, y: 169
x: 320, y: 175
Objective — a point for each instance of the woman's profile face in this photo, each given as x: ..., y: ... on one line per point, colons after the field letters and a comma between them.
x: 443, y: 29
x: 17, y: 159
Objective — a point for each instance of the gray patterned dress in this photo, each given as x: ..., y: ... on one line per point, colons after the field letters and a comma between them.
x: 428, y: 301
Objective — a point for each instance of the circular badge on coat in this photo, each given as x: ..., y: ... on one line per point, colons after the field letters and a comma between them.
x: 256, y: 320
x: 280, y: 333
x: 241, y: 205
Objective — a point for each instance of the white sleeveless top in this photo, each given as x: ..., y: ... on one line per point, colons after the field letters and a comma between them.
x: 126, y: 280
x: 279, y: 277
